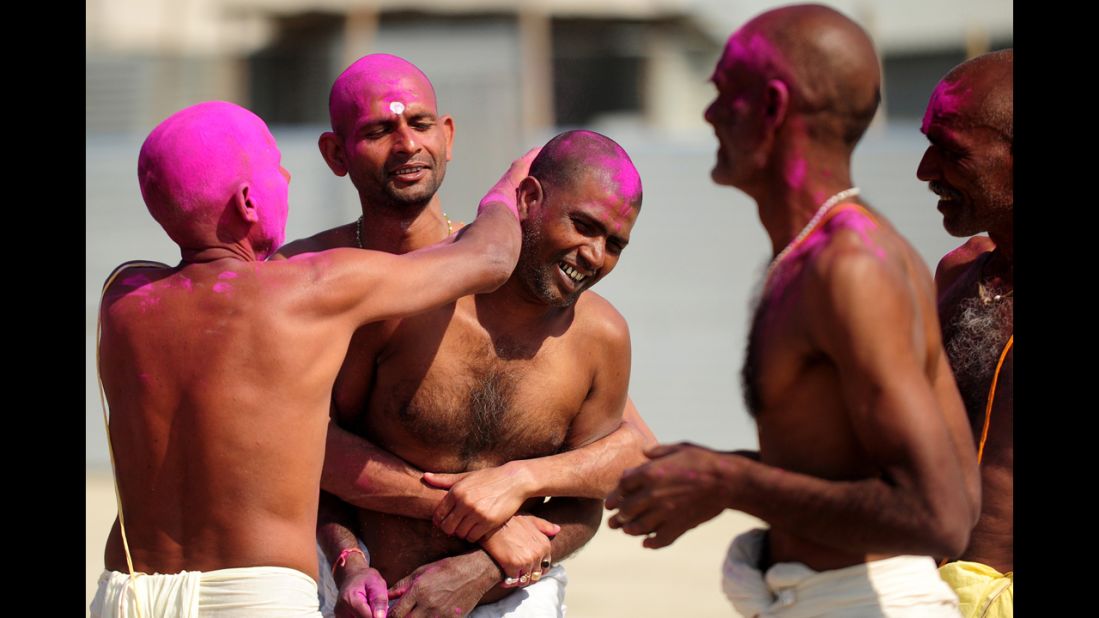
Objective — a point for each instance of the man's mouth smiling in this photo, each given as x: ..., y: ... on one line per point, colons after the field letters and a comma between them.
x: 408, y: 172
x: 572, y: 273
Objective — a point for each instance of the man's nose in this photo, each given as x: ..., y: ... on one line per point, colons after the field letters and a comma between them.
x: 929, y: 165
x: 708, y: 115
x: 594, y: 253
x: 407, y: 139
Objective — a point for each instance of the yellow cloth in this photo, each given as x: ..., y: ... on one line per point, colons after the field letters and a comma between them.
x: 983, y: 592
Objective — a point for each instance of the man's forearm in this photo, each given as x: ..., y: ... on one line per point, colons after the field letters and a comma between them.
x: 870, y: 515
x: 370, y: 477
x: 579, y: 519
x: 591, y: 471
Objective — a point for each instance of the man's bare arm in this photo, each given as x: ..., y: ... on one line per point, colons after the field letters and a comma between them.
x: 371, y: 477
x: 921, y: 503
x: 362, y: 590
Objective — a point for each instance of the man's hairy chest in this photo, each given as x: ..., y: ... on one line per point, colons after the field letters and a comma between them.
x: 474, y: 398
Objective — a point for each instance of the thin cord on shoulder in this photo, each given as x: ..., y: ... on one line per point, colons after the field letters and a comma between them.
x: 991, y: 396
x: 107, y: 425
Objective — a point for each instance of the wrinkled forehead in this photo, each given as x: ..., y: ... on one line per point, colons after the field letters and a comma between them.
x: 742, y: 50
x: 610, y: 192
x: 949, y: 103
x: 369, y: 94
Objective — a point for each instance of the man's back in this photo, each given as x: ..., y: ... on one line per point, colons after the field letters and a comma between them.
x: 219, y: 371
x: 219, y: 376
x: 856, y: 279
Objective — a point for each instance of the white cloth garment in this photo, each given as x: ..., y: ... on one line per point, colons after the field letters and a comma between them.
x: 260, y: 592
x: 898, y: 587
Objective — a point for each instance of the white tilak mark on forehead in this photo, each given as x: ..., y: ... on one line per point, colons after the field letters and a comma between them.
x: 396, y: 107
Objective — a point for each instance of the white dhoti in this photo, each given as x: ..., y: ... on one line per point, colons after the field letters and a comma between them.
x: 900, y: 587
x: 262, y: 592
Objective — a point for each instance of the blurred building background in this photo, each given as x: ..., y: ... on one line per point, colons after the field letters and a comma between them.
x: 512, y: 74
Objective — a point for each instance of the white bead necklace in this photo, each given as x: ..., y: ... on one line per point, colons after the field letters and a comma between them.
x: 823, y: 210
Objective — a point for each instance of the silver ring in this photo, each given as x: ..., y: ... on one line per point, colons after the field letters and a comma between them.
x: 525, y: 578
x: 510, y: 581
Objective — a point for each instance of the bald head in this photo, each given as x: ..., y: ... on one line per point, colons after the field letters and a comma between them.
x: 196, y: 162
x: 373, y: 84
x: 826, y: 61
x: 980, y: 92
x: 574, y: 154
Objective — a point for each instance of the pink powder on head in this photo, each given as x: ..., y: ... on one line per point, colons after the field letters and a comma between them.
x: 228, y: 275
x: 221, y: 288
x: 947, y: 101
x: 371, y: 86
x: 194, y: 162
x: 625, y: 176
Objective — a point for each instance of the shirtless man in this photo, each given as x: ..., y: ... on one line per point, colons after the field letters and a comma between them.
x: 865, y: 453
x: 969, y: 166
x: 220, y: 370
x: 388, y: 137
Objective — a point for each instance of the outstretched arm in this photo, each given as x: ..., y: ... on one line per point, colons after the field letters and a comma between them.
x: 371, y: 477
x: 368, y: 286
x: 923, y: 500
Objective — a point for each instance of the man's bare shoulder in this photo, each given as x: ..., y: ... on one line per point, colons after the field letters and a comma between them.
x: 600, y: 320
x: 341, y: 236
x: 953, y: 264
x: 854, y: 266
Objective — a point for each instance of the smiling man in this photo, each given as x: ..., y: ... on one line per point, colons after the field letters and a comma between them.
x: 389, y: 138
x: 866, y: 464
x: 969, y: 165
x: 538, y: 368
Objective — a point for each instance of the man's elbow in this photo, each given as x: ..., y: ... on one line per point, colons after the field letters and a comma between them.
x: 949, y: 527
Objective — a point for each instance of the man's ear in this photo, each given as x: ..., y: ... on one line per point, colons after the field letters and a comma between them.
x: 244, y: 205
x: 332, y: 150
x: 776, y: 103
x: 528, y: 197
x: 448, y: 130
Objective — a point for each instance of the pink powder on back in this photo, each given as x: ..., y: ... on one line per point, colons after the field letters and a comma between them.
x: 221, y: 288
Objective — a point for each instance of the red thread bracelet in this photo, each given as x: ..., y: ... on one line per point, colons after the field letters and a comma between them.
x: 342, y: 560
